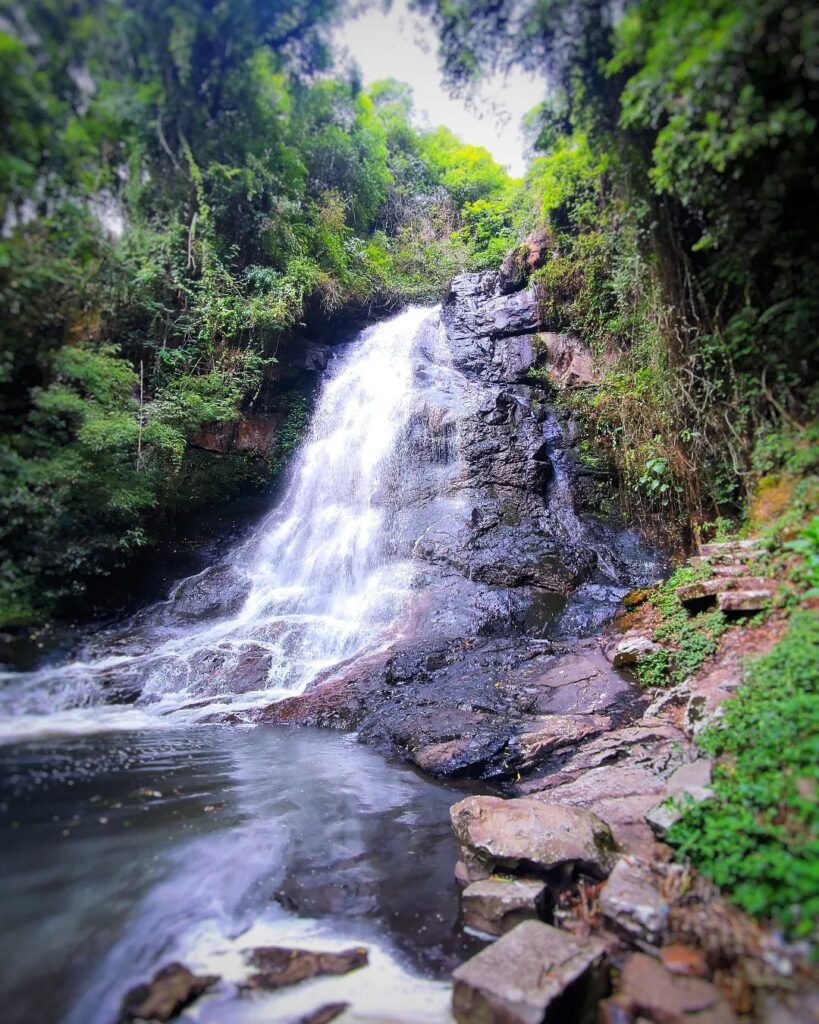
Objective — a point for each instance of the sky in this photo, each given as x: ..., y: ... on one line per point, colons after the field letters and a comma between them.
x: 400, y: 44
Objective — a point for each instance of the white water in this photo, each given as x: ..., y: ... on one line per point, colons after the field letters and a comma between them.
x: 324, y: 578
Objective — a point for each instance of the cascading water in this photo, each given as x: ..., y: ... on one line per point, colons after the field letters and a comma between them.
x: 324, y: 577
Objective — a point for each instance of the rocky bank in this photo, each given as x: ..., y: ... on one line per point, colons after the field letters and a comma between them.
x: 521, y: 674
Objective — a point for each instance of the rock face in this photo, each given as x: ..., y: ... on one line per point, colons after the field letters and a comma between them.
x: 533, y: 975
x: 498, y: 904
x: 530, y: 835
x: 172, y: 989
x: 502, y: 523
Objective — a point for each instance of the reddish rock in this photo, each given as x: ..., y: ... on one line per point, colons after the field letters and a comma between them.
x: 534, y: 974
x: 278, y: 967
x: 530, y: 834
x: 172, y: 989
x: 647, y: 990
x: 679, y: 958
x: 621, y: 794
x: 731, y: 549
x: 747, y: 601
x: 549, y: 733
x: 702, y: 591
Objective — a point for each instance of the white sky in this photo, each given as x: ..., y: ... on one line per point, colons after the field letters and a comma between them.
x: 399, y: 44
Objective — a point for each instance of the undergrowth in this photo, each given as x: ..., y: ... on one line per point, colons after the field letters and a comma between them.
x: 688, y: 641
x: 758, y: 837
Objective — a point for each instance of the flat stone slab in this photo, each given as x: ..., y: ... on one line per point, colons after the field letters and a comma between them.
x: 278, y: 967
x: 733, y: 548
x: 633, y: 904
x: 534, y: 974
x: 756, y: 599
x: 496, y: 905
x: 701, y: 590
x: 530, y: 835
x: 550, y: 733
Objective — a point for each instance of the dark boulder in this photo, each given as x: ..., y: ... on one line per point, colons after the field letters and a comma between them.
x: 220, y: 590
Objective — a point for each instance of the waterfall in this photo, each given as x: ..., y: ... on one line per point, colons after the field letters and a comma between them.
x: 326, y: 576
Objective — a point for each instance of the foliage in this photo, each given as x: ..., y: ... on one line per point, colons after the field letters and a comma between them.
x: 675, y: 169
x: 687, y: 640
x: 758, y: 837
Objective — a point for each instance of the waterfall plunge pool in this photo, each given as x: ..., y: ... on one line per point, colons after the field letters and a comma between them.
x: 123, y: 852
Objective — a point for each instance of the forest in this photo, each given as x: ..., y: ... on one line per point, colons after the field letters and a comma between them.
x: 194, y: 192
x: 185, y: 183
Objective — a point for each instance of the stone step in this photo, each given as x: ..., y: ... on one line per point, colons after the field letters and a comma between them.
x: 732, y: 548
x: 632, y: 903
x: 497, y: 904
x: 535, y: 974
x: 717, y: 589
x: 647, y: 991
x: 746, y: 601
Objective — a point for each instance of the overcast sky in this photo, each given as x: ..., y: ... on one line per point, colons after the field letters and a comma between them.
x: 400, y: 44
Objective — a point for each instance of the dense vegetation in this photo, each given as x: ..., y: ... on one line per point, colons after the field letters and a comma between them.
x: 181, y: 185
x: 758, y: 837
x: 674, y: 167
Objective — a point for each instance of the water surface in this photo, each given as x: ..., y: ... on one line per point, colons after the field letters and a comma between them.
x: 124, y: 851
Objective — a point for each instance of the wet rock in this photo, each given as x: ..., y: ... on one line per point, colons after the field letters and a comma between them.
x: 278, y: 967
x: 220, y: 590
x: 582, y: 683
x: 632, y: 903
x: 172, y: 989
x: 530, y: 835
x: 534, y: 974
x: 497, y: 904
x: 324, y: 1014
x: 650, y: 992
